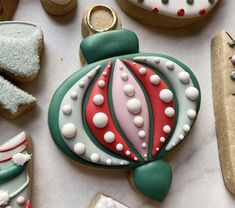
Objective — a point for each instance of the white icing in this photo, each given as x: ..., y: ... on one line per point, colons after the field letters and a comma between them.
x: 98, y: 99
x: 166, y: 96
x: 141, y: 134
x: 119, y: 147
x: 4, y: 198
x: 186, y: 128
x: 167, y: 129
x: 108, y: 161
x: 192, y: 93
x: 170, y: 65
x: 73, y: 95
x: 61, y: 2
x: 69, y: 131
x: 134, y: 106
x: 81, y: 84
x: 20, y: 159
x: 109, y: 137
x: 95, y: 157
x: 100, y: 120
x: 101, y: 83
x: 184, y: 77
x: 76, y: 118
x: 162, y: 139
x: 184, y: 104
x: 138, y: 121
x: 170, y: 112
x: 21, y: 200
x: 67, y: 109
x: 79, y: 148
x: 127, y: 152
x: 155, y: 79
x: 142, y: 71
x: 172, y: 7
x: 144, y: 145
x: 129, y: 90
x: 124, y: 76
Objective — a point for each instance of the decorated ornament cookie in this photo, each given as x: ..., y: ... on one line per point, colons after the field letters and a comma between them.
x: 223, y: 89
x: 15, y: 172
x: 59, y: 7
x: 7, y: 9
x: 102, y: 201
x: 125, y: 110
x: 21, y: 45
x: 167, y: 13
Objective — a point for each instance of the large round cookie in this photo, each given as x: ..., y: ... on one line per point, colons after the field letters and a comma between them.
x: 125, y: 110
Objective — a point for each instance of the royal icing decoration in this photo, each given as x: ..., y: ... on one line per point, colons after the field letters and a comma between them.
x: 128, y: 113
x: 177, y: 9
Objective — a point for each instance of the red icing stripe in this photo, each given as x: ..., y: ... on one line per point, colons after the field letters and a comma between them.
x: 28, y: 204
x: 92, y: 109
x: 13, y: 147
x: 158, y: 106
x: 9, y: 158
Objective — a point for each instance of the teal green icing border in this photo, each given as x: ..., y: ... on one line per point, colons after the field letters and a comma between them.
x: 68, y: 83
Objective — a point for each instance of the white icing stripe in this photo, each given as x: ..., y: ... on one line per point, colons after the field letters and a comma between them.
x: 184, y: 103
x: 61, y: 2
x: 12, y: 195
x: 80, y: 143
x: 170, y: 9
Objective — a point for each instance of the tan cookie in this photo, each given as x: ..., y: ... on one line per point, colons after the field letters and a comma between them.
x: 223, y: 88
x: 7, y: 9
x: 59, y: 7
x: 16, y: 172
x: 167, y: 13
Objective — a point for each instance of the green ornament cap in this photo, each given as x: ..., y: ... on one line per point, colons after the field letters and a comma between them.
x: 109, y: 44
x: 153, y: 179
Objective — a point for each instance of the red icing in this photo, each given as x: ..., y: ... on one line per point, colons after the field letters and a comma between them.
x: 13, y: 147
x: 92, y: 109
x: 28, y: 204
x: 158, y: 107
x: 202, y: 11
x: 181, y: 12
x: 155, y: 9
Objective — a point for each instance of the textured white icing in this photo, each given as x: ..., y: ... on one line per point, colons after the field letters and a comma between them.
x: 20, y: 159
x: 173, y: 6
x: 19, y: 48
x: 61, y: 2
x: 92, y: 152
x: 180, y: 88
x: 12, y: 97
x: 4, y: 198
x: 107, y: 202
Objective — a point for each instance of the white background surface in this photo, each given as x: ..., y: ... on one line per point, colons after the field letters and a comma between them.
x: 197, y: 180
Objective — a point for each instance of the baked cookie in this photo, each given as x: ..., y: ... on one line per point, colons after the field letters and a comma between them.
x: 167, y: 13
x: 99, y: 18
x: 102, y: 201
x: 125, y: 110
x: 223, y: 88
x: 59, y: 7
x: 21, y: 45
x: 16, y: 172
x: 7, y: 9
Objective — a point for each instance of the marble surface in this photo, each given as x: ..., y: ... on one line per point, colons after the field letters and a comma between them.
x: 58, y: 182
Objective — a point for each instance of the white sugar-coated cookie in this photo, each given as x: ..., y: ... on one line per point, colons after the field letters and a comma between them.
x: 7, y: 9
x: 168, y: 13
x: 59, y: 7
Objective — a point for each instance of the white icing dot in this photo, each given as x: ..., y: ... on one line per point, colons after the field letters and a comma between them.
x: 170, y: 112
x: 129, y: 90
x: 155, y: 79
x: 69, y: 130
x: 142, y: 71
x: 173, y: 144
x: 98, y: 99
x: 166, y: 96
x: 145, y: 155
x: 124, y: 76
x: 90, y: 75
x: 101, y: 83
x: 109, y: 137
x: 181, y: 137
x: 79, y: 148
x: 192, y: 93
x: 108, y: 161
x: 122, y: 163
x: 95, y: 157
x: 157, y: 60
x: 134, y: 106
x: 8, y: 207
x: 21, y: 200
x: 104, y: 73
x: 162, y: 139
x: 141, y: 134
x: 81, y: 84
x: 74, y: 95
x: 184, y: 77
x: 135, y: 158
x: 100, y: 120
x: 144, y: 145
x: 157, y: 149
x: 67, y: 109
x: 191, y: 114
x: 170, y: 65
x: 119, y: 147
x: 138, y: 121
x: 167, y: 129
x: 186, y: 128
x: 127, y: 152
